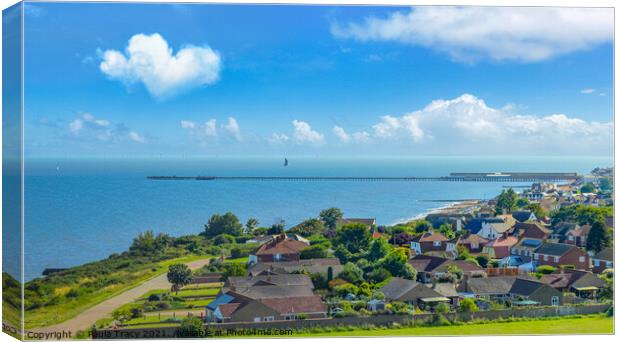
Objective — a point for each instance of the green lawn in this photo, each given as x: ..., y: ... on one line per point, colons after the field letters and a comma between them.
x: 597, y: 324
x: 49, y: 315
x: 200, y: 292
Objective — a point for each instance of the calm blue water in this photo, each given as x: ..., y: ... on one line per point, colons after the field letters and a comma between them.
x: 94, y: 207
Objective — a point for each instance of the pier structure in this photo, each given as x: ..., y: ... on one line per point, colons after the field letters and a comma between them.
x: 453, y: 177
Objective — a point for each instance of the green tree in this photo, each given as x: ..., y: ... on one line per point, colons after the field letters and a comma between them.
x: 251, y: 224
x: 588, y: 188
x: 379, y: 248
x: 605, y: 184
x: 468, y: 305
x: 396, y: 264
x: 148, y: 244
x: 122, y: 315
x: 354, y: 237
x: 308, y: 227
x: 314, y: 252
x: 446, y: 230
x: 507, y: 200
x: 522, y: 202
x: 378, y: 275
x: 233, y: 269
x: 191, y: 327
x: 421, y: 226
x: 277, y: 228
x: 462, y: 252
x: 179, y: 275
x: 483, y: 260
x: 456, y: 272
x: 351, y: 273
x: 223, y: 224
x: 598, y: 237
x: 536, y: 209
x: 330, y: 217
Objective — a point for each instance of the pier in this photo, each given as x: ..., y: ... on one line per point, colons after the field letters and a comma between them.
x: 453, y: 177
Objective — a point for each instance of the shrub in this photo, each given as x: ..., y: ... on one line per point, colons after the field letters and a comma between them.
x: 163, y: 305
x: 154, y: 298
x: 545, y: 269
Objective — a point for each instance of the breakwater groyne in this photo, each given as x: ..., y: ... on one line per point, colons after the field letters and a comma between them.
x: 453, y: 177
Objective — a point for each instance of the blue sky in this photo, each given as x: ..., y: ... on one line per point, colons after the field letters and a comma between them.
x: 185, y: 80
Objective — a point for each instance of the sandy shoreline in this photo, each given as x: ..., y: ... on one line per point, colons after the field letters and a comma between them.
x: 450, y: 208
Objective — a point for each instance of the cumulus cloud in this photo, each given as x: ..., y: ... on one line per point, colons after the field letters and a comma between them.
x: 304, y: 134
x: 468, y: 122
x: 358, y: 137
x: 278, y: 138
x: 148, y: 59
x: 233, y: 129
x: 200, y: 131
x: 87, y: 126
x: 524, y: 34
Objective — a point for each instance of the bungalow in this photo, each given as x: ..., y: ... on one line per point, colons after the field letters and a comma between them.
x: 493, y: 230
x: 474, y: 243
x: 559, y: 254
x: 603, y: 260
x: 524, y: 215
x: 583, y: 283
x: 510, y: 288
x: 500, y: 247
x: 280, y: 248
x: 239, y: 283
x: 578, y: 236
x: 309, y: 266
x: 412, y: 292
x: 430, y: 241
x: 237, y: 308
x: 432, y: 268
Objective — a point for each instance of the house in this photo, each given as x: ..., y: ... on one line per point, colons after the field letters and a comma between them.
x: 412, y: 292
x: 524, y: 215
x: 475, y: 225
x: 525, y: 248
x: 432, y: 268
x: 309, y: 266
x: 279, y: 248
x: 559, y: 254
x: 531, y: 230
x: 239, y: 283
x: 474, y: 243
x: 549, y: 204
x: 491, y: 230
x: 559, y: 231
x: 603, y: 260
x: 518, y: 290
x: 584, y: 284
x: 578, y: 236
x: 243, y: 309
x: 431, y: 241
x: 368, y: 222
x: 500, y: 247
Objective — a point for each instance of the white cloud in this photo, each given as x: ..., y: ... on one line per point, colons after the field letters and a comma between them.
x: 203, y: 132
x: 525, y: 34
x: 278, y: 138
x: 587, y: 91
x: 467, y: 122
x: 88, y: 127
x: 341, y: 134
x: 361, y: 137
x: 149, y: 59
x: 303, y: 133
x: 233, y: 128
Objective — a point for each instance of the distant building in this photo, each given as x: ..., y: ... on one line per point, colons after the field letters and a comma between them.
x: 559, y: 254
x: 279, y: 248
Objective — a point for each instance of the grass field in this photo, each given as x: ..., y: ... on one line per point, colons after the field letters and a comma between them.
x: 596, y: 324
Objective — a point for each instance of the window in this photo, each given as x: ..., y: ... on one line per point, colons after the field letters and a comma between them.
x: 545, y: 257
x: 474, y: 246
x: 556, y: 259
x: 268, y: 318
x: 256, y: 319
x: 570, y: 238
x: 436, y: 243
x: 555, y: 301
x: 597, y: 263
x: 582, y: 259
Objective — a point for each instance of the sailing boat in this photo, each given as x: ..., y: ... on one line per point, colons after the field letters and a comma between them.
x: 285, y: 162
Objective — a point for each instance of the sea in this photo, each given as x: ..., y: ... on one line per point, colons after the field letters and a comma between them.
x: 79, y: 210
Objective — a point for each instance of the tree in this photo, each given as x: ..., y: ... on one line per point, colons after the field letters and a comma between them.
x: 314, y: 252
x: 456, y: 272
x: 396, y: 264
x: 179, y: 275
x: 522, y: 202
x: 251, y: 224
x: 308, y: 227
x: 122, y: 315
x: 536, y: 209
x: 233, y: 269
x: 598, y: 237
x: 330, y: 274
x: 319, y: 281
x: 421, y: 226
x: 191, y: 327
x: 354, y: 237
x: 351, y: 273
x: 277, y: 228
x: 330, y: 217
x: 468, y: 305
x: 148, y: 244
x: 379, y: 248
x: 605, y: 184
x: 483, y: 260
x: 223, y: 224
x: 446, y: 230
x: 588, y: 188
x: 378, y: 275
x: 507, y: 200
x: 462, y: 253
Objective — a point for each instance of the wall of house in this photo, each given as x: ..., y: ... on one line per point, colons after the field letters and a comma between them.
x: 378, y: 320
x: 570, y: 258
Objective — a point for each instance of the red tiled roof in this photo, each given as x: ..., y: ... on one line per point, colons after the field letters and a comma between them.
x: 295, y: 304
x: 503, y: 242
x: 281, y: 246
x: 431, y: 236
x: 228, y: 309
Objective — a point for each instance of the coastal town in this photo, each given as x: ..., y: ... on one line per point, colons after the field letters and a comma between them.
x: 535, y: 251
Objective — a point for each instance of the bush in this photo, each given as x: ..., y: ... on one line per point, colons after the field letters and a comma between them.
x: 378, y: 275
x: 223, y: 239
x: 154, y: 298
x: 545, y: 269
x: 163, y: 305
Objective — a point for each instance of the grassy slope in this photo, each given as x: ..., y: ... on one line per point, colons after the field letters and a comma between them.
x: 50, y: 315
x: 584, y: 325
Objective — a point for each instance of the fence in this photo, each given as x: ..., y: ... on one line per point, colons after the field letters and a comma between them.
x: 377, y: 320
